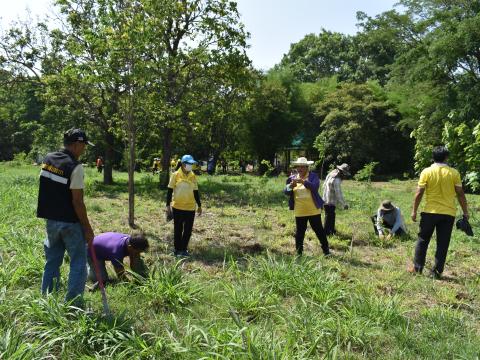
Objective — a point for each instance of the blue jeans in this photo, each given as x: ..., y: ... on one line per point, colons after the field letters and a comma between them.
x: 63, y: 236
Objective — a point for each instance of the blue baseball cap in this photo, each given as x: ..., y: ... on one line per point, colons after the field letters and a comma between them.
x: 188, y: 159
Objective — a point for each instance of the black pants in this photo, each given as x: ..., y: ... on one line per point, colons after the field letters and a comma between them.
x: 182, y: 225
x: 329, y: 219
x: 399, y: 231
x: 316, y: 224
x: 443, y: 224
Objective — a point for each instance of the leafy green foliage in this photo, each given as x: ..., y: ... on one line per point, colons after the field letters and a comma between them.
x: 366, y: 173
x: 357, y: 124
x: 464, y: 143
x: 20, y: 110
x: 270, y: 121
x: 267, y: 165
x: 319, y: 56
x: 206, y: 99
x: 440, y: 72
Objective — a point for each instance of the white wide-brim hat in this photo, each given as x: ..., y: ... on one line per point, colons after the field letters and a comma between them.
x: 302, y: 161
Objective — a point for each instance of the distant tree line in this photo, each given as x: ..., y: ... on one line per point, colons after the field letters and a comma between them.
x: 174, y: 74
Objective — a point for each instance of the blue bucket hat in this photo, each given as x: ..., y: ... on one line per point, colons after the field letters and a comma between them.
x: 188, y: 159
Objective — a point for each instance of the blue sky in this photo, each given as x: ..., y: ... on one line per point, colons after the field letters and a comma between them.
x: 273, y: 24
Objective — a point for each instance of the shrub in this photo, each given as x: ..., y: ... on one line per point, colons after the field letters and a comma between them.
x: 366, y: 173
x: 268, y: 167
x: 473, y: 180
x: 19, y: 159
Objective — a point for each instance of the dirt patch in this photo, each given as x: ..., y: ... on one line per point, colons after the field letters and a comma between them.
x: 252, y: 249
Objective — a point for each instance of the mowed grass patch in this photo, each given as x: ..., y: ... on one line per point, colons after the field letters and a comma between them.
x: 243, y: 294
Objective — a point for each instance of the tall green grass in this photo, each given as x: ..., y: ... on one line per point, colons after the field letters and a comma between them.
x: 243, y: 294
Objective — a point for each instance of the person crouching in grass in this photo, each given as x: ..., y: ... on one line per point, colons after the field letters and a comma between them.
x: 302, y: 187
x: 388, y: 221
x: 114, y: 247
x: 183, y: 187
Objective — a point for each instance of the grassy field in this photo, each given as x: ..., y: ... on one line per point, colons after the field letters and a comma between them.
x: 242, y: 295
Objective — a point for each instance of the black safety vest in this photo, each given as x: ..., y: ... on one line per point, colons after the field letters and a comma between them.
x: 54, y: 195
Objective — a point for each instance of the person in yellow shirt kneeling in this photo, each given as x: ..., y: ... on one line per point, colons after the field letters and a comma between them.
x: 183, y: 188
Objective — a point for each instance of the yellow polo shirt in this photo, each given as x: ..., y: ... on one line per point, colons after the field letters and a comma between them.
x: 304, y: 205
x: 183, y: 186
x: 439, y: 181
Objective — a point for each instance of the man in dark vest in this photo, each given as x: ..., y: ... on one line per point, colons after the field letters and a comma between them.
x: 60, y: 202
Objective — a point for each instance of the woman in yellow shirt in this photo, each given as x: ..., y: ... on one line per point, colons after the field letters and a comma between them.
x: 183, y: 188
x: 302, y: 187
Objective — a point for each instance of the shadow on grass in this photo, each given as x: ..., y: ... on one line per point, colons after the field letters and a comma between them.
x: 240, y: 192
x: 355, y: 262
x: 121, y: 187
x: 342, y: 236
x: 234, y: 252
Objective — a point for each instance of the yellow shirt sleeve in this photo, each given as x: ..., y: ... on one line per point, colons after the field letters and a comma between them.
x: 457, y: 179
x: 194, y: 182
x: 422, y: 182
x: 173, y: 181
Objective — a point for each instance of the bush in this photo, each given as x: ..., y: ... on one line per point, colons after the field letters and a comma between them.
x: 268, y: 167
x: 366, y: 173
x: 19, y: 159
x: 473, y: 180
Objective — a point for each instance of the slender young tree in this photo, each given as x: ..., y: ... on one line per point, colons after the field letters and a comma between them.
x: 186, y: 39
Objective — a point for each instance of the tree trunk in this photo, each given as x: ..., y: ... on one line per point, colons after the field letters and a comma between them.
x: 131, y: 169
x: 166, y: 155
x: 108, y: 166
x: 216, y: 156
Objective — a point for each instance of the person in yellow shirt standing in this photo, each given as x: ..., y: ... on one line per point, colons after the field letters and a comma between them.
x: 305, y: 201
x: 184, y: 189
x: 174, y: 164
x: 441, y: 184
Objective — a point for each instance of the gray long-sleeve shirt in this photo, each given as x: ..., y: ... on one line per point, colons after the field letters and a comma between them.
x: 393, y: 218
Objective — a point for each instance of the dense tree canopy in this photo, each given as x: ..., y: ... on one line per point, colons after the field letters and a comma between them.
x: 177, y: 69
x: 359, y: 126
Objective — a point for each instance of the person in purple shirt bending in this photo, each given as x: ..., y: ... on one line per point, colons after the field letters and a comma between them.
x: 114, y: 247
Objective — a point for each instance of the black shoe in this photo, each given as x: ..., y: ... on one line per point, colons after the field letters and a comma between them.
x: 181, y: 253
x: 435, y: 275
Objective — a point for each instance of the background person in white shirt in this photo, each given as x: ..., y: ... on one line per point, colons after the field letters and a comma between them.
x: 333, y: 196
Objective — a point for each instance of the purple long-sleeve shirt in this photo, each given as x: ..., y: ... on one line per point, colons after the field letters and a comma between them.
x: 312, y: 183
x: 111, y: 246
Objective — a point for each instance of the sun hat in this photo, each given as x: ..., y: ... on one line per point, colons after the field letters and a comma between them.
x: 344, y: 168
x: 302, y: 161
x: 188, y: 159
x: 386, y: 205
